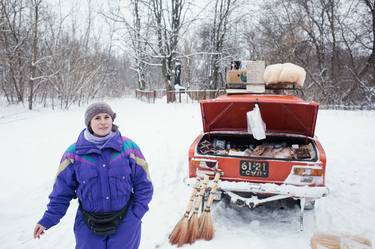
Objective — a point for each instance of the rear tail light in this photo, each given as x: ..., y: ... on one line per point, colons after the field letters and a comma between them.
x: 307, y: 170
x: 306, y: 175
x: 204, y: 163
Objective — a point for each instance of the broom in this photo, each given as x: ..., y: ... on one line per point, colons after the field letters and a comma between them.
x: 193, y: 224
x: 206, y: 228
x: 328, y: 241
x: 179, y: 232
x: 333, y: 241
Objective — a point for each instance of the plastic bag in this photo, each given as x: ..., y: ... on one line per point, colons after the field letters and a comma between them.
x: 255, y: 124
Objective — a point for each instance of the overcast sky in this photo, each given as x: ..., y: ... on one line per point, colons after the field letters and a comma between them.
x: 78, y: 10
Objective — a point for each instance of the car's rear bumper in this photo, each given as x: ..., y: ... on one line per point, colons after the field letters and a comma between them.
x: 292, y: 191
x: 274, y: 189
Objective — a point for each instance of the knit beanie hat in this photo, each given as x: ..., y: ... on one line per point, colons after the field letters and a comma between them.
x: 95, y: 109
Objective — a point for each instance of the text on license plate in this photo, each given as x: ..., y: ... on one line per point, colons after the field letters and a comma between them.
x: 254, y: 168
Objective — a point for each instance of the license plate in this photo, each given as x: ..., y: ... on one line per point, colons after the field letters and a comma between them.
x: 254, y: 168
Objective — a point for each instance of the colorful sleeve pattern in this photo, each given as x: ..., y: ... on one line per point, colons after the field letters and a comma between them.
x: 63, y: 190
x: 142, y: 185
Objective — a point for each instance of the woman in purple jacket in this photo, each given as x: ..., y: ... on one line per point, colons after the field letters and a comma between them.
x: 108, y: 174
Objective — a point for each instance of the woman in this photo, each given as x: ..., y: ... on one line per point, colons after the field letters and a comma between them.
x: 108, y: 174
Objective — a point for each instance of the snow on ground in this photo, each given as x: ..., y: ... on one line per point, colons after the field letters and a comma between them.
x: 33, y: 142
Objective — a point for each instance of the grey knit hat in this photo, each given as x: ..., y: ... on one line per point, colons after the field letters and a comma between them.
x: 95, y: 109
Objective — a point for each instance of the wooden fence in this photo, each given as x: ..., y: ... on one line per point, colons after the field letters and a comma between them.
x: 147, y: 96
x: 191, y: 96
x: 182, y: 96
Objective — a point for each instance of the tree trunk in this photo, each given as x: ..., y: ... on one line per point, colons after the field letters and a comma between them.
x: 370, y: 65
x: 34, y: 54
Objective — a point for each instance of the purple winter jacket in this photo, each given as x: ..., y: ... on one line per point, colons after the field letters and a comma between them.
x: 103, y: 179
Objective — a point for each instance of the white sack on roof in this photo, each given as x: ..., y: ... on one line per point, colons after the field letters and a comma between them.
x: 272, y: 73
x: 284, y: 73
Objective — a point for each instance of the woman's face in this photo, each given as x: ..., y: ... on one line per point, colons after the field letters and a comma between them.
x: 101, y: 124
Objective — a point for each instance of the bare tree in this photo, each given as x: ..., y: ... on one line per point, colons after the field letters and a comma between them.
x: 324, y: 37
x: 218, y: 36
x: 76, y: 70
x: 155, y: 41
x: 136, y: 38
x: 14, y: 36
x: 168, y: 21
x: 371, y: 60
x: 138, y: 45
x: 46, y: 60
x: 219, y: 40
x: 34, y: 49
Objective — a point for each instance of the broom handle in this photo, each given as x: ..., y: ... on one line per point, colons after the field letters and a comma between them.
x: 192, y: 196
x: 213, y: 190
x: 199, y: 196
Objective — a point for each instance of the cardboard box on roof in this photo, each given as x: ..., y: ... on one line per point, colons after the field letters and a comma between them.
x: 236, y: 76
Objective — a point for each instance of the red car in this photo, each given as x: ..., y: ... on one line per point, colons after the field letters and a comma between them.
x: 289, y: 163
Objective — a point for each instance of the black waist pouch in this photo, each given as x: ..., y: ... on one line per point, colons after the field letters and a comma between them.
x: 104, y: 223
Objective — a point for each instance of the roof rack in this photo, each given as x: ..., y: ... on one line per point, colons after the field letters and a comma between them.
x: 278, y: 88
x: 283, y: 86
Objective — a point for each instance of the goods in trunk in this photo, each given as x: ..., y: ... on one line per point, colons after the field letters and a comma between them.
x: 276, y: 147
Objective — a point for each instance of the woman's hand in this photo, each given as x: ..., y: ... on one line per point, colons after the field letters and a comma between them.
x: 38, y: 230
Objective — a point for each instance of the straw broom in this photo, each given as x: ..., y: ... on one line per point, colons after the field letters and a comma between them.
x: 328, y: 241
x: 206, y: 228
x: 334, y: 241
x: 178, y: 234
x: 193, y: 224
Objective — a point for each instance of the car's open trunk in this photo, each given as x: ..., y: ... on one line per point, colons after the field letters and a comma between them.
x: 279, y: 147
x: 281, y: 114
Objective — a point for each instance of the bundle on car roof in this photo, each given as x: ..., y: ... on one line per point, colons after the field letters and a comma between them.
x: 286, y: 73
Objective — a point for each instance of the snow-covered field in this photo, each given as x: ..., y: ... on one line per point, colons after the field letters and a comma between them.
x: 32, y: 143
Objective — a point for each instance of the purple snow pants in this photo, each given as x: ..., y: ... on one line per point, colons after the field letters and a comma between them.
x: 128, y: 235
